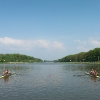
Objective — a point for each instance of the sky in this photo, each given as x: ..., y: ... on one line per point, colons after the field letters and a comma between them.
x: 49, y: 29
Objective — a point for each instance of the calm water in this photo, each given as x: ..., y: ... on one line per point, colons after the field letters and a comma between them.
x: 49, y: 81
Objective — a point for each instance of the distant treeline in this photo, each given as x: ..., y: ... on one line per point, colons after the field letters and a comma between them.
x: 90, y: 56
x: 18, y: 58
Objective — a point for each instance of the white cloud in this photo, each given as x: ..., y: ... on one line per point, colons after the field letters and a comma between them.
x: 45, y: 48
x: 94, y: 42
x: 81, y: 42
x: 10, y: 41
x: 86, y: 45
x: 30, y: 44
x: 82, y: 48
x: 41, y: 43
x: 58, y: 45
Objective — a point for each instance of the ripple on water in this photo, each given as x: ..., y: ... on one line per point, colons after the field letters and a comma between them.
x: 49, y: 82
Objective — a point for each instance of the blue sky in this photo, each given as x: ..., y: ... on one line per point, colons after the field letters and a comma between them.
x: 49, y: 29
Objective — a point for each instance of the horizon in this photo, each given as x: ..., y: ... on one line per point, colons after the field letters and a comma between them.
x: 49, y: 29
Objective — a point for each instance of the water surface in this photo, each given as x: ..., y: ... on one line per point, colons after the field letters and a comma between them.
x: 49, y: 81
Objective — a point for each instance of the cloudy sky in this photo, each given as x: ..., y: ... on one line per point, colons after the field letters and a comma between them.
x: 49, y: 29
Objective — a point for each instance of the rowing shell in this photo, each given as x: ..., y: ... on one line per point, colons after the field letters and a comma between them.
x: 2, y: 76
x: 5, y: 76
x: 92, y: 75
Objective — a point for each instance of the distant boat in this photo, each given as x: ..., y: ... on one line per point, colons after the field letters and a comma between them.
x: 7, y: 75
x: 92, y: 75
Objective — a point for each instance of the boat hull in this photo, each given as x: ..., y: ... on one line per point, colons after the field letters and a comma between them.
x: 92, y: 75
x: 5, y: 76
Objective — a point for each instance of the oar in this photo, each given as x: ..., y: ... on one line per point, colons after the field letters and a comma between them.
x: 1, y: 76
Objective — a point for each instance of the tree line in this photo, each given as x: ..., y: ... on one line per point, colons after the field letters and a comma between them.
x: 17, y: 58
x: 90, y: 56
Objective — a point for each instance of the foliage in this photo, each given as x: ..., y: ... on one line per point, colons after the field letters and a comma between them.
x: 18, y: 58
x: 90, y: 56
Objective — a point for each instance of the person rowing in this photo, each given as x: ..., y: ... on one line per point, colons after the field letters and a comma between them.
x: 93, y: 72
x: 6, y: 72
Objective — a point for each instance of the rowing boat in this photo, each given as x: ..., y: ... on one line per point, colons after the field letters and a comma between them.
x: 92, y: 75
x: 7, y: 75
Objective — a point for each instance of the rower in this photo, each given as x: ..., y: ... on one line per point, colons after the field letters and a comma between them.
x: 6, y: 72
x: 92, y: 72
x: 95, y: 73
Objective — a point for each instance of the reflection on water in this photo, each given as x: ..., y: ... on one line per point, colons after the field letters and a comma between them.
x: 93, y: 79
x: 6, y: 79
x: 49, y: 81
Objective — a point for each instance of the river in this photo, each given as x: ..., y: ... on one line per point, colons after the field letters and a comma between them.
x: 49, y: 81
